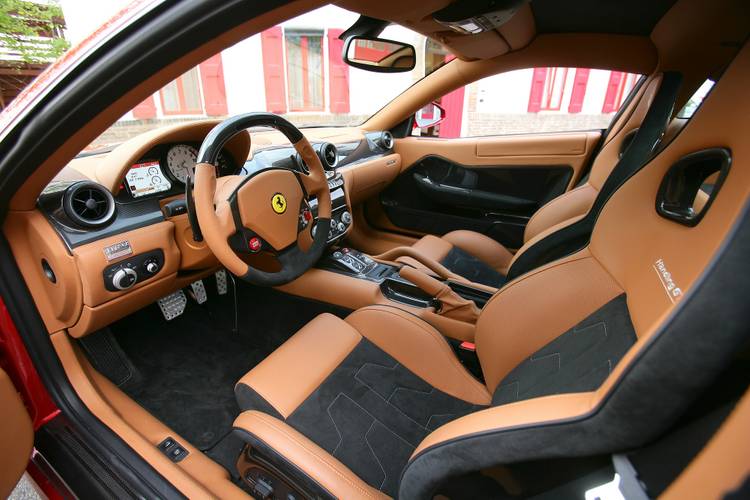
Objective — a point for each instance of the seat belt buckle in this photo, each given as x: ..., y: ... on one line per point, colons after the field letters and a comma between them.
x: 467, y: 346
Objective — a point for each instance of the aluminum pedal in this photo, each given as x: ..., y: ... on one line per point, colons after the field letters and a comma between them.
x: 199, y: 291
x: 221, y: 282
x: 173, y: 304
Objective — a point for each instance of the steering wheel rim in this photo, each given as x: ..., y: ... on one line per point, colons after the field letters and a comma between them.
x: 251, y: 206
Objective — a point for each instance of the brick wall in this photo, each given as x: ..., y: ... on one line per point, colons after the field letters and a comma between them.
x: 479, y: 124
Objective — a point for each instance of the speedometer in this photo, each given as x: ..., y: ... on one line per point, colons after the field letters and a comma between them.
x: 181, y: 161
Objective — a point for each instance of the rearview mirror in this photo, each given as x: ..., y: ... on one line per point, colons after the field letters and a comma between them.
x: 379, y: 55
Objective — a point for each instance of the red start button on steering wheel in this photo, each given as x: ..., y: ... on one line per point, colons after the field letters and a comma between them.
x: 254, y: 244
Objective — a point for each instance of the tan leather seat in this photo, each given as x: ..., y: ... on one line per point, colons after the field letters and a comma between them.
x: 481, y: 259
x: 595, y: 353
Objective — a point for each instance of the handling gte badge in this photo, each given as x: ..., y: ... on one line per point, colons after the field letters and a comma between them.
x: 278, y: 202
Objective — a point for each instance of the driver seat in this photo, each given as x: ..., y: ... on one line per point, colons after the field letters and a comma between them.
x: 595, y: 353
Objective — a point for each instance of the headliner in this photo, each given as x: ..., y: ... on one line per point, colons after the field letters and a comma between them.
x: 620, y: 17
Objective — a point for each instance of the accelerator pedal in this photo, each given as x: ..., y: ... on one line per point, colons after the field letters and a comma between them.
x: 173, y: 305
x: 199, y: 291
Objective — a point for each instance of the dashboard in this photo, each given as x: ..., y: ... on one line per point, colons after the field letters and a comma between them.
x: 108, y: 235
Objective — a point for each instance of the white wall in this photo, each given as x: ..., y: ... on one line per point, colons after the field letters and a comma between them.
x: 595, y: 90
x: 243, y: 76
x: 83, y: 17
x: 504, y: 93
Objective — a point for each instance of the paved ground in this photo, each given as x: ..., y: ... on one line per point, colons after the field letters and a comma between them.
x: 24, y: 490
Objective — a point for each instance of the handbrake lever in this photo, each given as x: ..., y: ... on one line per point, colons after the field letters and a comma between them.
x: 453, y: 305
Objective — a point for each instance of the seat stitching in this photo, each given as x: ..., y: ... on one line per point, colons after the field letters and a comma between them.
x: 386, y: 402
x: 385, y: 474
x: 314, y: 454
x: 432, y: 389
x: 356, y: 375
x: 328, y: 411
x: 437, y: 415
x: 380, y: 422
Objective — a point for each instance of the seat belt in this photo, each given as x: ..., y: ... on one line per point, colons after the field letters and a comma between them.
x: 605, y: 135
x: 577, y: 235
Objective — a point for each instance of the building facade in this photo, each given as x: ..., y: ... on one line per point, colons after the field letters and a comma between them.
x: 295, y: 69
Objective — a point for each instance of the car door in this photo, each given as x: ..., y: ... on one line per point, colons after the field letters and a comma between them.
x: 16, y: 436
x: 489, y: 170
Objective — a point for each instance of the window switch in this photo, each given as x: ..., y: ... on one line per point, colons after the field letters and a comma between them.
x: 172, y: 449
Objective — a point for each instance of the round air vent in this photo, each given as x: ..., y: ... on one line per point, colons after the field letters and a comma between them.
x: 329, y: 155
x: 386, y: 140
x: 89, y: 204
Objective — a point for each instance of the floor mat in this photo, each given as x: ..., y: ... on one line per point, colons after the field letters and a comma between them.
x: 184, y: 370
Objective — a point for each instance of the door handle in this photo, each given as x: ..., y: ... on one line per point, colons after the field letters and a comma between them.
x: 455, y: 195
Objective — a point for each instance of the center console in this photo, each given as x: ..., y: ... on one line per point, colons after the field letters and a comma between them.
x: 341, y: 217
x: 358, y: 265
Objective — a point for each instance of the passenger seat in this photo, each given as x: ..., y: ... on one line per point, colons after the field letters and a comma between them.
x: 480, y: 259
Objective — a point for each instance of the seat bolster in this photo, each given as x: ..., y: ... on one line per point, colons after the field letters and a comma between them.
x: 523, y: 413
x: 312, y: 460
x: 482, y: 247
x: 293, y: 371
x: 420, y: 348
x: 571, y: 204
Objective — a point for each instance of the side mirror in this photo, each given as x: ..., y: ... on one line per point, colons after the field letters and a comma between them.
x: 379, y: 55
x: 429, y: 116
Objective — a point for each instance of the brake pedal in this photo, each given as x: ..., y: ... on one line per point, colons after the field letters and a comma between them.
x: 173, y: 304
x: 199, y: 291
x: 221, y: 281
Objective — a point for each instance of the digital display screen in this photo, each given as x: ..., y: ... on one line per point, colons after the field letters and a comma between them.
x: 146, y: 178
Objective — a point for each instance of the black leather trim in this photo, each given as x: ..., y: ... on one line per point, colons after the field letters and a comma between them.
x: 249, y: 399
x: 221, y: 133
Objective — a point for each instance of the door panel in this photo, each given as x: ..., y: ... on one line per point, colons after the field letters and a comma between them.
x: 491, y: 185
x: 437, y: 196
x: 16, y: 436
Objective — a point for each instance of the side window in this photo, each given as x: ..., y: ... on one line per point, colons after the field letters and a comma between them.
x: 532, y: 100
x: 695, y: 100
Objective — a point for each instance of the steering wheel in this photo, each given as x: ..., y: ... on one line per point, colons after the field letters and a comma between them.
x: 265, y: 211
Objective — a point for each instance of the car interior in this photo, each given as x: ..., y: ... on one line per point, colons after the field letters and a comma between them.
x: 360, y: 312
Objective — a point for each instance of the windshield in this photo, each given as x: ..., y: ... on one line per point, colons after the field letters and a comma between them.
x: 294, y: 69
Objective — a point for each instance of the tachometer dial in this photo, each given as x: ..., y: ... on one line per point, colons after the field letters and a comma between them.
x: 181, y: 161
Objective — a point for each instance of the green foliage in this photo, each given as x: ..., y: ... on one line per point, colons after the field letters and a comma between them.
x: 31, y: 30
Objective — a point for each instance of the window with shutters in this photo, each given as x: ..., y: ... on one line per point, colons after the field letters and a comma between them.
x: 304, y: 66
x: 182, y: 96
x: 533, y: 100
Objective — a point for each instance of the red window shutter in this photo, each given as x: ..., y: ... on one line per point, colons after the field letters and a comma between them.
x: 453, y: 103
x: 578, y: 93
x: 613, y: 90
x: 146, y: 109
x: 272, y: 43
x: 538, y: 80
x: 214, y: 92
x: 338, y: 73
